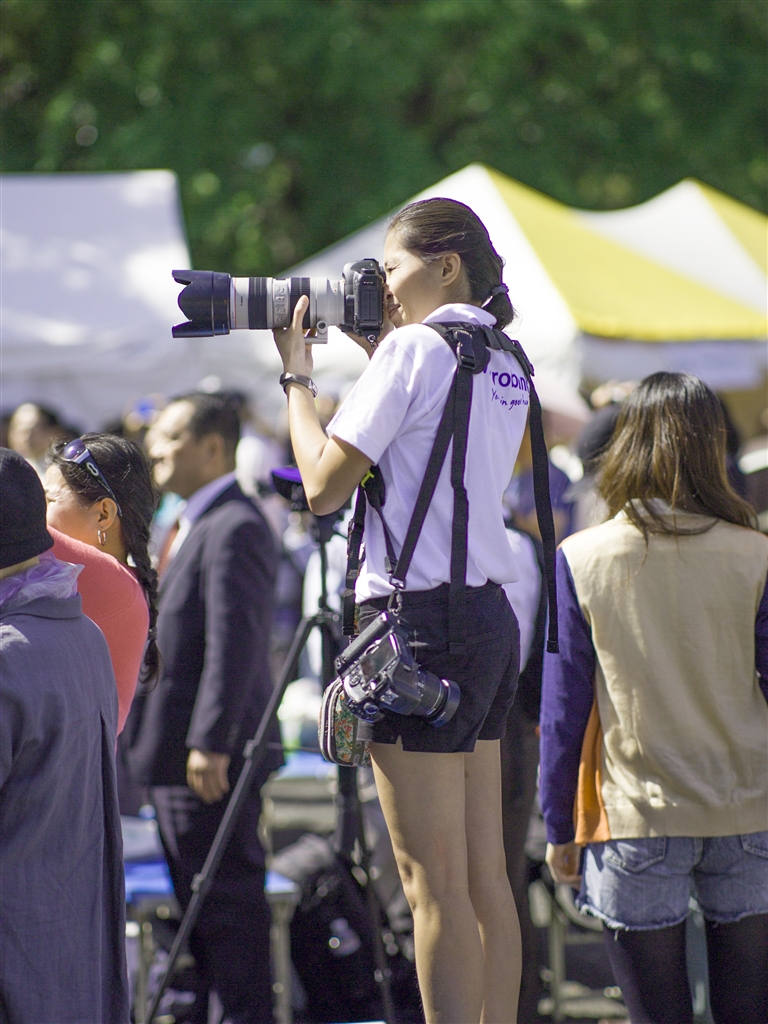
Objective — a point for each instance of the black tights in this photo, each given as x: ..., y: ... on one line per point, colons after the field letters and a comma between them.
x: 649, y: 967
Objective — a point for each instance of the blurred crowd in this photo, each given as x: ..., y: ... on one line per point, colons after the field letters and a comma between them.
x: 577, y: 431
x: 577, y: 428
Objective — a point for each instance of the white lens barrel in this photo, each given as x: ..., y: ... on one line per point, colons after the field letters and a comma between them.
x: 238, y: 303
x: 326, y: 303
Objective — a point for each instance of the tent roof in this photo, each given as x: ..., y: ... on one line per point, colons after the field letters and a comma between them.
x: 687, y: 265
x: 87, y: 295
x: 670, y: 269
x: 748, y: 225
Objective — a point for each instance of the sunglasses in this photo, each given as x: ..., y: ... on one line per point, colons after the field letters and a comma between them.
x: 76, y: 451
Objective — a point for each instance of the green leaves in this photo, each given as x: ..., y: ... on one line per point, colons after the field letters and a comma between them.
x: 293, y: 122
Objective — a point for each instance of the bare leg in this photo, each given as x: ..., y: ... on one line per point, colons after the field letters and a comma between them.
x: 422, y: 796
x: 443, y: 812
x: 489, y: 887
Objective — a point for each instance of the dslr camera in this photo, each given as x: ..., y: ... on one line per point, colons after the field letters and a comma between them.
x: 379, y: 671
x: 217, y: 303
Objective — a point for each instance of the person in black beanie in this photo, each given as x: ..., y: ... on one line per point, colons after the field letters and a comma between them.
x: 23, y: 533
x: 62, y: 901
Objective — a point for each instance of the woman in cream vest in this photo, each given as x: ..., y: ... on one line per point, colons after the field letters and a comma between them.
x: 654, y: 721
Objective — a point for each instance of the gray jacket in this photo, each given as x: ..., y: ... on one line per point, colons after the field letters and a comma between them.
x: 62, y: 903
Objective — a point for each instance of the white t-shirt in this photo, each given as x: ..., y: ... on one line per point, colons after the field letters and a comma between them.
x: 391, y: 415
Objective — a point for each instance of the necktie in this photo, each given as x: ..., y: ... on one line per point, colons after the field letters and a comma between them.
x: 165, y: 559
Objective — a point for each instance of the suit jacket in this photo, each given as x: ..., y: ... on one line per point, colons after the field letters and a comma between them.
x: 213, y: 628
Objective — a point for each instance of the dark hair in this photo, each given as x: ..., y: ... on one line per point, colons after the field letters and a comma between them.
x: 669, y: 443
x: 127, y: 469
x: 596, y: 436
x: 48, y: 416
x: 213, y: 414
x: 432, y: 227
x: 238, y: 400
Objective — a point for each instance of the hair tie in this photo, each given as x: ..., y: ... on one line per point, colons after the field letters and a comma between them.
x: 500, y: 289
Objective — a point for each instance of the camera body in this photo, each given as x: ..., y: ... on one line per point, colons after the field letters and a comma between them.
x: 379, y: 671
x: 216, y: 303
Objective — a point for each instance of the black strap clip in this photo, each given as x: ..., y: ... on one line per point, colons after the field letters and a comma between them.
x: 465, y: 350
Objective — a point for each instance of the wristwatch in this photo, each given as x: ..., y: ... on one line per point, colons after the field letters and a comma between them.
x: 297, y: 378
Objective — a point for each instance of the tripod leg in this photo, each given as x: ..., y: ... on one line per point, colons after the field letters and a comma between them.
x: 254, y: 754
x: 348, y: 813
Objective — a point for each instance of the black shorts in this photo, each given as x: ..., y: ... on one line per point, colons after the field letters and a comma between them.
x: 486, y: 673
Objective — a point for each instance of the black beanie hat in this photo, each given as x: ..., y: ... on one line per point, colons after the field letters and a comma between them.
x: 23, y: 533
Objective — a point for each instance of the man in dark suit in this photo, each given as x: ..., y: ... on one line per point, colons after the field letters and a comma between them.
x: 216, y: 594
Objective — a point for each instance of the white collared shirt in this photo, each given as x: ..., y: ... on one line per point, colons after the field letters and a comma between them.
x: 194, y: 507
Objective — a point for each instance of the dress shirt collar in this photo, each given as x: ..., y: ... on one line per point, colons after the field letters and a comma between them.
x: 462, y: 312
x: 198, y: 502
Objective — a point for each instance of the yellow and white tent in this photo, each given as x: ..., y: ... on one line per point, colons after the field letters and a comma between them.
x: 678, y: 282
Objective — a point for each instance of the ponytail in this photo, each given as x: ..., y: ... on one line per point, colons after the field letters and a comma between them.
x: 498, y: 305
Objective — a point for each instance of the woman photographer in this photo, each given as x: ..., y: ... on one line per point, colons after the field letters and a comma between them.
x: 439, y: 787
x: 652, y: 716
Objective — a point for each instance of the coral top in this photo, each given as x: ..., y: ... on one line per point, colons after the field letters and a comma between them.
x: 113, y: 598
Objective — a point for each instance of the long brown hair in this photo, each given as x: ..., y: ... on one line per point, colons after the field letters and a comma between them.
x: 669, y: 443
x: 430, y: 228
x: 127, y: 469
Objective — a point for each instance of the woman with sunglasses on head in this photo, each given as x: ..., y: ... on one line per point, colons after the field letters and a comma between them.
x: 654, y: 719
x: 440, y: 788
x: 100, y: 505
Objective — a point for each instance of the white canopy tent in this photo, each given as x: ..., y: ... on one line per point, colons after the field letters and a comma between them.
x: 87, y: 296
x: 87, y: 300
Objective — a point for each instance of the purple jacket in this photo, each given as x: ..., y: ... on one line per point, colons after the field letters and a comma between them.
x: 62, y: 901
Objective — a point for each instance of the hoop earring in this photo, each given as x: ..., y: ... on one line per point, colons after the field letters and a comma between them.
x: 102, y: 537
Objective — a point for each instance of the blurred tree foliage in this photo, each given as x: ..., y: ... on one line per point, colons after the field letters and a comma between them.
x: 293, y: 122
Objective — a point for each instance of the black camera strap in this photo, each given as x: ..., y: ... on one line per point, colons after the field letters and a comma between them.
x: 470, y: 345
x: 454, y: 425
x: 455, y: 334
x: 371, y: 491
x: 497, y: 339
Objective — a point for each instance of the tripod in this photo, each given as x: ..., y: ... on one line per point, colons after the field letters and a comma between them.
x: 350, y: 841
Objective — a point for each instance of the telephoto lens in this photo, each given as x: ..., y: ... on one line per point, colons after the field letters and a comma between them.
x: 216, y: 303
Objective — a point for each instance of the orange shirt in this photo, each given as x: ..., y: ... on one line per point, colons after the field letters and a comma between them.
x: 114, y: 599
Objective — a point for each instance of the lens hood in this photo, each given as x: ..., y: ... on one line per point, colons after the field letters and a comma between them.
x: 205, y: 303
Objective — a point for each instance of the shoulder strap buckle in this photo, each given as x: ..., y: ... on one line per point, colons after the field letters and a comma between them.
x: 465, y: 350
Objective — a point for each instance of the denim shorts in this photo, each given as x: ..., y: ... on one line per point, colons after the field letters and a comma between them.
x: 486, y: 673
x: 647, y: 883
